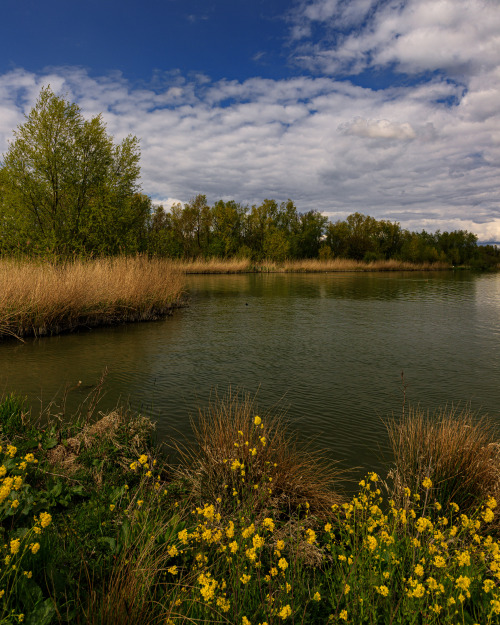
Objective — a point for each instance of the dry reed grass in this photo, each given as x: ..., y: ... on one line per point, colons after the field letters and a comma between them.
x: 457, y: 450
x: 214, y: 265
x: 129, y: 596
x: 44, y: 298
x: 235, y: 265
x: 298, y: 474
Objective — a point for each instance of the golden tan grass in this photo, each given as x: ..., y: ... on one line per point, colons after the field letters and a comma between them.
x: 236, y: 265
x: 226, y: 432
x: 456, y: 450
x: 38, y: 298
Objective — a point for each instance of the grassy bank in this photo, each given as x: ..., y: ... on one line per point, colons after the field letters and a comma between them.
x: 235, y: 265
x: 249, y: 528
x: 39, y: 298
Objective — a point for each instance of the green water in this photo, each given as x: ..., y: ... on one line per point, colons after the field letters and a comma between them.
x: 329, y: 348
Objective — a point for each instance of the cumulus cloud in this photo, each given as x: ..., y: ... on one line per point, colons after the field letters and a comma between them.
x: 460, y: 37
x: 378, y: 129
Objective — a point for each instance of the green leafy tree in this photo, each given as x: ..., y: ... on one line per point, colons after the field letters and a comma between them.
x: 66, y: 186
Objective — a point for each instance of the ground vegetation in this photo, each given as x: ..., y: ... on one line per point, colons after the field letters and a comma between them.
x: 98, y: 526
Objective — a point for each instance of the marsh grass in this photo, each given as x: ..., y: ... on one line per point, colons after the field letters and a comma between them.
x: 40, y: 298
x: 456, y: 449
x: 273, y: 470
x: 235, y: 265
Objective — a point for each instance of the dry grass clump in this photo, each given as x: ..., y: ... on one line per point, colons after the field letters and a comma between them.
x: 44, y: 298
x: 240, y: 457
x: 456, y: 450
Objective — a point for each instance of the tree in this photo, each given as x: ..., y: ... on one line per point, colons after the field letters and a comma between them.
x: 65, y: 185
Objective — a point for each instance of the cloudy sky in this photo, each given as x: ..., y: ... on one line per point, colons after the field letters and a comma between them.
x: 387, y: 107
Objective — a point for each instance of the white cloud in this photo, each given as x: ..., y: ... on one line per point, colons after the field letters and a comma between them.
x: 396, y: 153
x: 378, y: 129
x: 461, y: 37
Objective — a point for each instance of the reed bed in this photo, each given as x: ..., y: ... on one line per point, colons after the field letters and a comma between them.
x: 46, y: 298
x: 235, y: 265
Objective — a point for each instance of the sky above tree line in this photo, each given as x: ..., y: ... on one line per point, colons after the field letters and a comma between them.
x: 386, y: 107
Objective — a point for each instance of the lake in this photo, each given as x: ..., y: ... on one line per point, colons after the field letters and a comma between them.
x: 328, y: 348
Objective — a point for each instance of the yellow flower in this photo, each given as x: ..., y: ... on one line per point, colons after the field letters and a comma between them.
x: 427, y: 483
x: 274, y: 571
x: 462, y: 582
x: 172, y: 551
x: 317, y: 596
x: 258, y: 541
x: 244, y: 579
x: 143, y: 459
x: 15, y: 545
x: 257, y: 420
x: 419, y: 570
x: 139, y: 503
x: 112, y: 506
x: 383, y: 590
x: 372, y: 543
x: 439, y: 562
x: 34, y: 547
x: 311, y: 536
x: 491, y: 503
x: 11, y: 450
x: 15, y: 503
x: 268, y: 524
x: 343, y: 615
x: 495, y: 606
x: 488, y: 515
x: 223, y: 603
x: 283, y: 564
x: 285, y: 612
x: 488, y: 585
x: 245, y: 621
x: 280, y: 545
x: 173, y: 570
x: 233, y: 546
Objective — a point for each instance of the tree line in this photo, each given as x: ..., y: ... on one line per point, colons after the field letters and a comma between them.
x: 67, y: 188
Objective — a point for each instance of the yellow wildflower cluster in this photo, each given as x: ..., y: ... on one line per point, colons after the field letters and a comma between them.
x: 13, y: 487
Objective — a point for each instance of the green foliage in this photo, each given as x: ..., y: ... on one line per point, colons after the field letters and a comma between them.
x: 65, y: 187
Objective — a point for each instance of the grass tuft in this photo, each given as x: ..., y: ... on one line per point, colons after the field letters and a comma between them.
x: 260, y: 462
x: 456, y: 450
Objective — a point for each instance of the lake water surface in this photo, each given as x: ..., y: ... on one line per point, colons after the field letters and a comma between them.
x: 329, y: 348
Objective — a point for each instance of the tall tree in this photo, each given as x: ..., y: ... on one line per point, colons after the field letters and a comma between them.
x: 65, y: 185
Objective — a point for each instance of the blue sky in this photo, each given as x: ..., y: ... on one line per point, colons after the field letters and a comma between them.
x: 388, y: 107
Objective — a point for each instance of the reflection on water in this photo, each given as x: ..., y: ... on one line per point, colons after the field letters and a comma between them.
x: 328, y: 347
